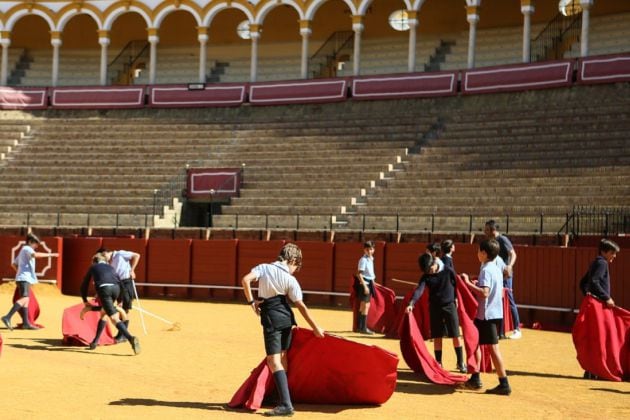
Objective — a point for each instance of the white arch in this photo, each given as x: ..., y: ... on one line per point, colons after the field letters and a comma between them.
x: 72, y: 13
x: 19, y: 14
x: 167, y: 10
x: 208, y: 18
x: 262, y: 13
x: 310, y: 12
x: 109, y: 21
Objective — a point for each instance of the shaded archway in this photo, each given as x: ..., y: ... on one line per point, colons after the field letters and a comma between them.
x: 129, y: 52
x: 79, y: 55
x: 178, y: 50
x: 280, y: 45
x: 30, y: 53
x: 230, y: 53
x: 332, y: 40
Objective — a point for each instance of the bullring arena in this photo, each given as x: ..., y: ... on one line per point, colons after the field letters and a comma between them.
x: 205, y: 135
x: 193, y: 372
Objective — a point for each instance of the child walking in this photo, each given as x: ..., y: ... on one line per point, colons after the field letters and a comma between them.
x: 364, y: 285
x: 24, y: 266
x: 276, y: 287
x: 442, y: 306
x: 488, y: 291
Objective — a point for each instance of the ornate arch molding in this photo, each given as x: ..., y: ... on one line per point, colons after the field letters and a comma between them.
x: 121, y: 7
x: 217, y: 6
x: 169, y: 6
x: 271, y: 4
x: 72, y: 10
x: 316, y: 4
x: 19, y: 11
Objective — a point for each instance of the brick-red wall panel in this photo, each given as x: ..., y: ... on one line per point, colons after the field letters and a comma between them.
x: 77, y: 259
x: 347, y: 256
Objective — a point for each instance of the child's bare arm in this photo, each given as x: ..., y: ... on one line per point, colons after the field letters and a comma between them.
x: 319, y: 332
x: 45, y: 254
x: 247, y: 290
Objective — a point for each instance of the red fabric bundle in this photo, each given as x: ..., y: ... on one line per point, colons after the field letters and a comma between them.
x: 33, y: 306
x: 417, y: 356
x: 601, y: 336
x: 77, y: 332
x: 420, y: 313
x: 382, y: 315
x: 326, y: 371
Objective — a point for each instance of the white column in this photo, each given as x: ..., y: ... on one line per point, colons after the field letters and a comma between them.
x: 305, y: 32
x: 4, y: 72
x: 472, y: 17
x: 202, y: 37
x: 527, y: 8
x: 103, y: 39
x: 586, y: 24
x: 413, y: 25
x: 56, y: 44
x: 154, y: 39
x: 254, y: 32
x: 357, y: 27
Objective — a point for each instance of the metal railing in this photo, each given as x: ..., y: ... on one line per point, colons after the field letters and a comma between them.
x: 594, y: 220
x: 121, y: 66
x: 324, y: 58
x: 429, y: 223
x: 556, y: 37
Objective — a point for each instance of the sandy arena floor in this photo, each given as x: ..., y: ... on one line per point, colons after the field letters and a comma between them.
x: 193, y: 372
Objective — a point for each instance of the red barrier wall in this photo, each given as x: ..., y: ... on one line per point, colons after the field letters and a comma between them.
x: 168, y: 261
x: 317, y: 269
x: 465, y: 259
x: 394, y: 86
x: 298, y: 92
x: 401, y: 262
x: 77, y: 259
x: 214, y: 263
x: 97, y: 97
x: 251, y: 253
x: 347, y: 256
x: 23, y: 98
x: 517, y: 77
x: 178, y: 96
x: 604, y: 69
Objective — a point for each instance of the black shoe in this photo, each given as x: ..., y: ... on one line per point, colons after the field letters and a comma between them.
x: 120, y: 339
x: 135, y: 345
x: 500, y: 390
x: 367, y: 331
x: 7, y: 323
x: 92, y: 346
x: 279, y: 411
x: 502, y: 337
x: 461, y: 367
x: 475, y: 385
x: 29, y: 327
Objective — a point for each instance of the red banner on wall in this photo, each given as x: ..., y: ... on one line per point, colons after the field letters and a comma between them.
x: 23, y: 98
x: 604, y: 69
x: 215, y: 182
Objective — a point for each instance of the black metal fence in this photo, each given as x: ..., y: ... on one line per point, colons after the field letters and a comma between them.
x: 594, y: 220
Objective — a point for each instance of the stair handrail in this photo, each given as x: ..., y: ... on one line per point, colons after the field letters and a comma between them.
x: 127, y: 57
x: 335, y: 43
x: 546, y: 44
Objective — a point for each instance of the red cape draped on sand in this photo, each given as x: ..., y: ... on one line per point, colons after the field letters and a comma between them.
x: 417, y: 356
x: 33, y: 307
x: 77, y: 332
x: 602, y: 340
x: 325, y: 371
x: 382, y: 315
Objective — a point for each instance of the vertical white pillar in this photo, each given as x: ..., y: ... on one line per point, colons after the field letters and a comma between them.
x: 103, y: 39
x: 586, y: 26
x: 4, y: 71
x: 357, y: 27
x: 55, y: 40
x: 202, y: 37
x: 472, y: 17
x: 254, y: 32
x: 305, y: 32
x: 527, y: 8
x: 154, y: 39
x: 413, y: 25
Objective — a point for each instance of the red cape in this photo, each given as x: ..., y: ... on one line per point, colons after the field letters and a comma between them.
x: 601, y: 337
x: 382, y: 315
x: 33, y: 306
x: 77, y: 332
x: 325, y: 371
x: 417, y: 356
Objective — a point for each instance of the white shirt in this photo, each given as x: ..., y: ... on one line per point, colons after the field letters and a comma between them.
x: 275, y: 279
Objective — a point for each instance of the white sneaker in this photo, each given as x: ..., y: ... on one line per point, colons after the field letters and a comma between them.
x: 516, y: 335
